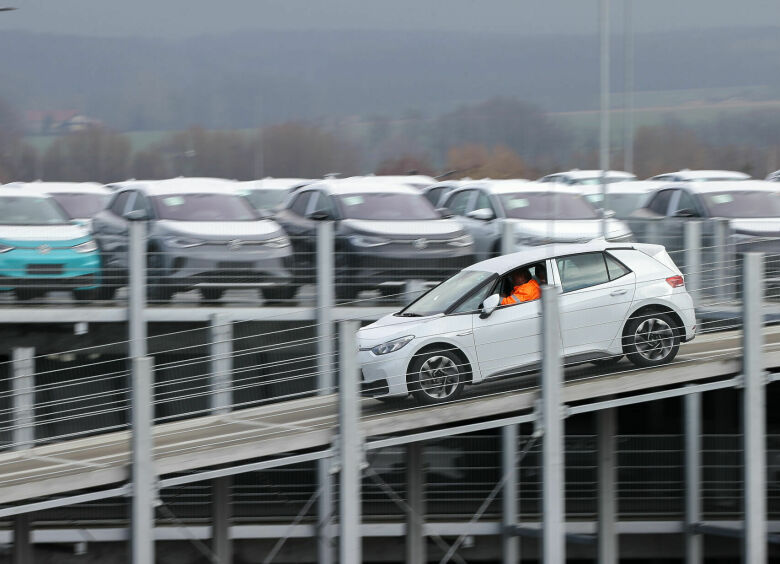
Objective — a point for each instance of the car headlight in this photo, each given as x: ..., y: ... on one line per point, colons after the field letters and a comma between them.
x: 278, y: 242
x: 462, y: 241
x: 86, y: 247
x: 392, y: 346
x: 5, y: 248
x: 184, y: 242
x: 368, y: 241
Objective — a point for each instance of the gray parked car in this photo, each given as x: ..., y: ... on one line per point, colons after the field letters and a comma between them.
x: 539, y: 213
x: 201, y: 233
x: 269, y: 194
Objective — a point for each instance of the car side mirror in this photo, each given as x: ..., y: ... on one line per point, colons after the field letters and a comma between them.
x: 319, y: 215
x: 489, y: 305
x: 445, y: 213
x: 482, y: 214
x: 607, y: 214
x: 685, y: 213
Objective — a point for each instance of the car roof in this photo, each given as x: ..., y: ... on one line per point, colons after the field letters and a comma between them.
x: 726, y: 186
x: 504, y: 263
x: 513, y: 186
x: 180, y: 185
x: 360, y: 185
x: 274, y: 183
x: 703, y: 174
x: 62, y: 187
x: 632, y: 187
x: 421, y: 180
x: 577, y: 173
x: 9, y: 191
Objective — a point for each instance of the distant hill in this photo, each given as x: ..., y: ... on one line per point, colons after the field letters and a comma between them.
x: 242, y: 80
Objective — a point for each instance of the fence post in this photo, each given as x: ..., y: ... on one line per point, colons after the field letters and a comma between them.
x: 23, y: 436
x: 143, y: 474
x: 507, y: 237
x: 221, y: 505
x: 221, y: 349
x: 554, y: 534
x: 608, y: 539
x: 325, y: 380
x: 724, y: 260
x: 415, y: 512
x: 350, y: 448
x: 510, y: 553
x: 693, y: 540
x: 136, y: 288
x: 754, y: 412
x: 693, y: 259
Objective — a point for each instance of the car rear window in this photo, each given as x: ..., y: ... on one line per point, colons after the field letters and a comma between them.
x: 547, y: 205
x: 203, y: 207
x: 386, y: 206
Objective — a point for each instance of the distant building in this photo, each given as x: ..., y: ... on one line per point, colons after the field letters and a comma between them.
x: 57, y: 121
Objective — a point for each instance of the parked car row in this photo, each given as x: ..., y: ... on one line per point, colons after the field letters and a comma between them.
x: 215, y: 234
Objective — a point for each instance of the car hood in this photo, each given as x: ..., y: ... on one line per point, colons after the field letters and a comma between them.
x: 391, y: 327
x: 569, y: 230
x: 759, y: 226
x: 220, y: 229
x: 64, y: 232
x: 417, y: 228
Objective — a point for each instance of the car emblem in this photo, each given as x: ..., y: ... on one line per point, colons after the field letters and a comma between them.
x: 420, y: 244
x: 44, y: 249
x: 234, y: 245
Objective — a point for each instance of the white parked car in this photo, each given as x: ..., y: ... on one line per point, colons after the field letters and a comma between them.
x: 585, y: 177
x: 615, y: 300
x: 623, y: 198
x: 270, y: 194
x: 80, y: 200
x: 686, y: 175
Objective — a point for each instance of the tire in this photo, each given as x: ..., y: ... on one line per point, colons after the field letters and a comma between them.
x: 86, y: 295
x: 212, y: 294
x: 436, y: 376
x: 275, y: 294
x: 27, y: 294
x: 158, y: 288
x: 651, y: 339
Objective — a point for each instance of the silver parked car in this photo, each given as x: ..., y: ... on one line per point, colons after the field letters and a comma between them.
x: 201, y: 233
x: 540, y: 213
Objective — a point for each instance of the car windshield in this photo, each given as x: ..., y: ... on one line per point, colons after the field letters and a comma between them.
x: 25, y: 210
x: 266, y: 199
x: 81, y: 205
x: 748, y: 203
x: 547, y: 205
x: 204, y: 207
x: 622, y: 204
x: 447, y: 294
x: 386, y: 206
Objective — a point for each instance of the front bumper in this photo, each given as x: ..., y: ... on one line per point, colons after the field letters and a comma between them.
x: 221, y: 267
x: 384, y: 376
x: 59, y: 269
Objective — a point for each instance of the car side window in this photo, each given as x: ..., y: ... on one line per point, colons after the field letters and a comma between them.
x: 458, y: 204
x: 322, y: 204
x: 138, y: 203
x: 433, y: 195
x: 686, y: 202
x: 120, y: 203
x: 482, y: 202
x: 582, y: 271
x: 615, y: 268
x: 472, y: 303
x: 300, y: 203
x: 660, y: 204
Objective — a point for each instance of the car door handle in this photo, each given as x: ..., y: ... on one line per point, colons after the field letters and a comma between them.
x: 464, y: 334
x: 617, y: 292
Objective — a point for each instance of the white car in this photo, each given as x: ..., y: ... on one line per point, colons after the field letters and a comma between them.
x: 269, y: 194
x: 586, y: 177
x: 615, y: 300
x: 623, y: 198
x: 686, y: 175
x: 80, y: 200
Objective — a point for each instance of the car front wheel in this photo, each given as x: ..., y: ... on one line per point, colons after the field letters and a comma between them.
x: 436, y: 376
x: 651, y: 339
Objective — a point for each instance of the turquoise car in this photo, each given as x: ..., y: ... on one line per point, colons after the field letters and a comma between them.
x: 42, y: 250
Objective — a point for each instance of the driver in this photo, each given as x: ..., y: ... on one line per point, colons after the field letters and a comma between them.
x: 525, y: 289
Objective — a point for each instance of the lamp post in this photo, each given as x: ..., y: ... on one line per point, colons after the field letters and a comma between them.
x: 604, y: 113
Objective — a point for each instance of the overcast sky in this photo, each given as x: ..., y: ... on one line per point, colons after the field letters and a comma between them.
x: 182, y: 18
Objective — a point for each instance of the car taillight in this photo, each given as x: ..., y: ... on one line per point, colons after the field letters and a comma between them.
x: 675, y: 281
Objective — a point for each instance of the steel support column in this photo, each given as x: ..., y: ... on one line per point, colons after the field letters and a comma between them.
x: 143, y: 474
x: 693, y: 539
x: 724, y: 260
x: 604, y: 144
x: 754, y: 412
x: 693, y: 259
x: 325, y: 381
x: 415, y: 501
x: 23, y: 436
x: 136, y: 288
x: 221, y: 350
x: 507, y: 237
x: 607, y: 487
x: 510, y: 553
x: 221, y: 513
x: 554, y: 535
x: 23, y: 548
x: 350, y: 446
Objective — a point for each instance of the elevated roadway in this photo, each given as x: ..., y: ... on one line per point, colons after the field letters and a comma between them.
x: 303, y: 429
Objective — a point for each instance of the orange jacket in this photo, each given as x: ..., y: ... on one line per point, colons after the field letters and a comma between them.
x: 524, y: 293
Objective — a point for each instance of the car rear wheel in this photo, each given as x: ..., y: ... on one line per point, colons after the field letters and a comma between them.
x: 651, y: 339
x: 279, y: 293
x: 212, y: 294
x: 27, y: 294
x: 436, y: 376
